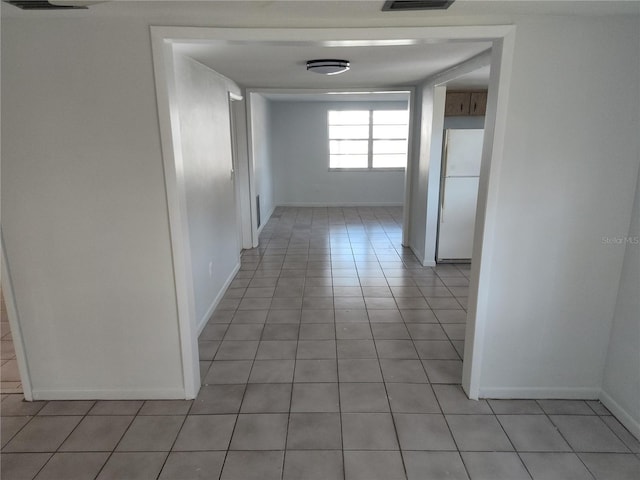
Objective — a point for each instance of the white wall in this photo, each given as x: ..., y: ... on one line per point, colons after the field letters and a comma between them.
x: 567, y: 179
x: 263, y: 169
x: 621, y: 383
x: 301, y: 160
x: 84, y: 213
x: 203, y: 104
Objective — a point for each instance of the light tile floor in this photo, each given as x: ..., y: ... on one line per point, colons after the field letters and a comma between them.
x: 333, y: 355
x: 9, y: 375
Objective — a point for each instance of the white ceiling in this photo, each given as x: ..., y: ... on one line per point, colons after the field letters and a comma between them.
x: 283, y: 65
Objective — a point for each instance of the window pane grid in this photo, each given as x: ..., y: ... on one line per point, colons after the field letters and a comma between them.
x: 368, y: 139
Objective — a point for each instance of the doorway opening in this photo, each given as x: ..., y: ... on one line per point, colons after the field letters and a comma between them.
x: 419, y: 173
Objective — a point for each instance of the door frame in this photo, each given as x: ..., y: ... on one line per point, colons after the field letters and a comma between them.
x: 502, y: 38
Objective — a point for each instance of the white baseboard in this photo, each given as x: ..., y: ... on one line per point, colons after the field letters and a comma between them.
x: 109, y: 394
x: 625, y: 418
x: 540, y: 393
x: 207, y: 315
x: 428, y: 263
x: 341, y: 204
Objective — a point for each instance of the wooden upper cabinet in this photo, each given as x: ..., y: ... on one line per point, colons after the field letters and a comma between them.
x: 457, y: 103
x: 464, y: 104
x: 478, y: 103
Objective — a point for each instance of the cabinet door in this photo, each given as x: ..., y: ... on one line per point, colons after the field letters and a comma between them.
x: 457, y: 103
x: 478, y: 103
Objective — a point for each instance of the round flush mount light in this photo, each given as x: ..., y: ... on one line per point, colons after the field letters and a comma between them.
x: 328, y: 66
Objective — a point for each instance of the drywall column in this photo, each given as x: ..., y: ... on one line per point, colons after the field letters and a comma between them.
x: 84, y: 211
x: 261, y: 155
x: 566, y: 180
x: 621, y: 383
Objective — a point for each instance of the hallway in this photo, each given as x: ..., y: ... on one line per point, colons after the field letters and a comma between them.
x: 333, y: 355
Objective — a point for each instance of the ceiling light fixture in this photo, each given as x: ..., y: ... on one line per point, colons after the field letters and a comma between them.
x: 328, y: 66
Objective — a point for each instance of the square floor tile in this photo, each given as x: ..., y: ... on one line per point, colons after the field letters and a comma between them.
x: 444, y: 371
x: 272, y: 371
x: 352, y: 316
x: 266, y: 398
x: 284, y: 316
x: 373, y: 465
x: 277, y: 350
x: 436, y: 350
x: 426, y: 331
x: 280, y: 331
x: 314, y: 431
x: 15, y: 405
x: 151, y: 433
x: 588, y: 434
x: 623, y: 434
x: 565, y: 407
x: 237, y: 350
x: 218, y: 399
x: 452, y: 399
x: 65, y: 407
x: 552, y: 466
x: 22, y: 466
x: 213, y: 332
x: 511, y: 407
x: 359, y: 370
x: 418, y: 316
x: 533, y: 433
x: 9, y: 426
x: 403, y: 371
x: 316, y: 371
x: 133, y: 466
x: 228, y: 372
x: 193, y: 466
x: 207, y: 350
x: 494, y: 466
x: 253, y: 315
x: 265, y: 465
x: 368, y: 431
x: 398, y: 349
x: 423, y: 432
x: 260, y: 432
x: 116, y: 407
x: 241, y: 331
x: 315, y: 397
x: 353, y: 331
x: 97, y: 433
x: 479, y: 433
x: 450, y: 316
x: 612, y: 466
x: 385, y: 316
x: 412, y: 398
x: 317, y: 331
x: 314, y: 315
x: 434, y: 466
x: 43, y: 434
x: 313, y: 465
x: 166, y: 407
x: 356, y: 349
x: 205, y: 432
x: 363, y: 397
x: 316, y: 349
x: 73, y: 466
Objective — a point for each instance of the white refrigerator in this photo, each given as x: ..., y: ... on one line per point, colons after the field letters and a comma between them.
x: 462, y: 153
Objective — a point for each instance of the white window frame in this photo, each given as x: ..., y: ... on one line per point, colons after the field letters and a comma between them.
x: 370, y: 139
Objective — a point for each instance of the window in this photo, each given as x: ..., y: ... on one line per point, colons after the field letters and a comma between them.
x: 368, y: 139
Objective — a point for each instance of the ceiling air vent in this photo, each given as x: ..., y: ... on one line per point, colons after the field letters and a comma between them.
x: 42, y: 5
x: 400, y: 5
